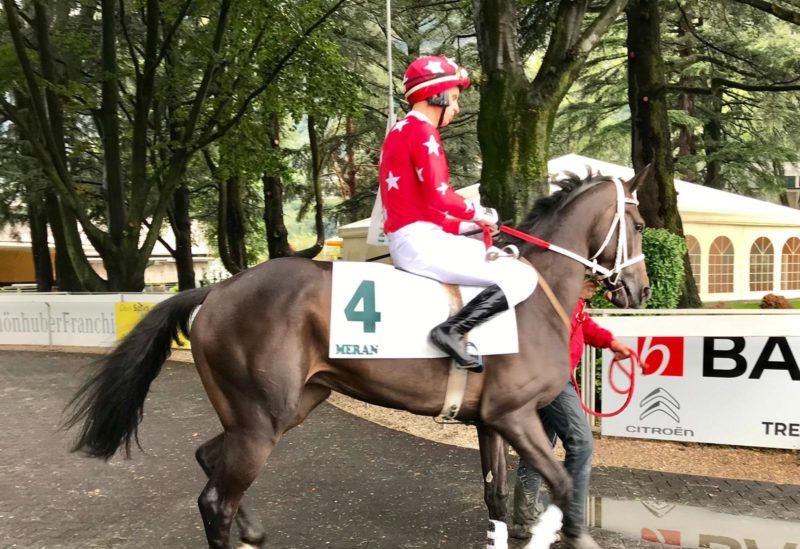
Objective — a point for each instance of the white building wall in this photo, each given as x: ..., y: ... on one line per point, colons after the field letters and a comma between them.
x: 742, y: 237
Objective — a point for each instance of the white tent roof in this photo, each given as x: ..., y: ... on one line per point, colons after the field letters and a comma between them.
x: 696, y: 203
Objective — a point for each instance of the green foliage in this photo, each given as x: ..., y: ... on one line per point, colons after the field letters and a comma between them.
x: 664, y: 253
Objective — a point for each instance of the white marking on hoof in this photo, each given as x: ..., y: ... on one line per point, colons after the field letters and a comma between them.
x: 543, y: 534
x: 497, y: 538
x: 244, y: 545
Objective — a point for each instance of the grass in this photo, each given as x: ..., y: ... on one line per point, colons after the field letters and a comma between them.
x: 748, y: 304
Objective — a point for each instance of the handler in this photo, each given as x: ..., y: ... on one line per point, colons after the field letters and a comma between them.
x: 424, y: 216
x: 564, y: 418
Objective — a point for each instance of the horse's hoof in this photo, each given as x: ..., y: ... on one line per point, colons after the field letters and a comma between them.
x: 253, y: 541
x: 497, y: 535
x: 584, y: 541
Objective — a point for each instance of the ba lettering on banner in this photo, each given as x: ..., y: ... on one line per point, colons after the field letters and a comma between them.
x: 724, y: 389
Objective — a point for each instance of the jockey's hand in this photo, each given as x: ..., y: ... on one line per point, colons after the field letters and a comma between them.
x: 621, y: 350
x: 469, y: 226
x: 485, y: 216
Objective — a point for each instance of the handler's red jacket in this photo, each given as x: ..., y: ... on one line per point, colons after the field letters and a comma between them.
x: 414, y: 178
x: 584, y: 329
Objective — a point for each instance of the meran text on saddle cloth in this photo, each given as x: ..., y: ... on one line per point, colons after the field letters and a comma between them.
x: 378, y: 311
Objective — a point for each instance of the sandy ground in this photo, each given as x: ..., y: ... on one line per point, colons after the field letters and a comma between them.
x: 779, y: 466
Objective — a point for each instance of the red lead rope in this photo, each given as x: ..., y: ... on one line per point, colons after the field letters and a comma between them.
x: 630, y: 374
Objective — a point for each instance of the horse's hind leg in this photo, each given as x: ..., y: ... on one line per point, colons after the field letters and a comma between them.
x: 250, y: 529
x: 495, y: 489
x: 241, y: 458
x: 232, y: 461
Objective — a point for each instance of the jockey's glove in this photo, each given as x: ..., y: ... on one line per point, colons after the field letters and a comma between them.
x: 485, y: 216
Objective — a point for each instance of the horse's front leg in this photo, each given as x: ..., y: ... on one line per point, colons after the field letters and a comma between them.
x: 495, y: 487
x: 523, y: 429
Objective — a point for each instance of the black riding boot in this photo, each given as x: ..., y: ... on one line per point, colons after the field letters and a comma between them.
x: 449, y: 335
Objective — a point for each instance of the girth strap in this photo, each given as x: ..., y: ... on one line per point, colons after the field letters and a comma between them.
x: 457, y: 380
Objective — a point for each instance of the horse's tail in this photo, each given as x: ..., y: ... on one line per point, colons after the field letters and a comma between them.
x: 110, y: 404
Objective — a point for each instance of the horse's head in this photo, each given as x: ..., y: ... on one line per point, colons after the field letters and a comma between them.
x: 596, y: 218
x: 616, y: 243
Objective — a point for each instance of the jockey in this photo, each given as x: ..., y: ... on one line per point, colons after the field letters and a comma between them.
x: 424, y: 216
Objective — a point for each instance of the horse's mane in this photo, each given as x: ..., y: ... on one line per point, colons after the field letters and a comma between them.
x: 570, y: 186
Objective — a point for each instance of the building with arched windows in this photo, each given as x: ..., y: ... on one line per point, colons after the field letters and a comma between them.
x: 740, y: 248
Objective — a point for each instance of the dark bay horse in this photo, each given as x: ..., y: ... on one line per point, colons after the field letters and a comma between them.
x: 260, y: 345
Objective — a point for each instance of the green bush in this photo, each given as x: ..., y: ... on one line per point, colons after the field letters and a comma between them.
x: 664, y: 253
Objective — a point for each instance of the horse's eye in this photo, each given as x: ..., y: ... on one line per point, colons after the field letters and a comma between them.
x: 639, y: 227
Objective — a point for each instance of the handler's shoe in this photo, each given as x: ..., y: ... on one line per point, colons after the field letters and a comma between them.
x: 519, y: 531
x: 449, y: 335
x: 583, y: 541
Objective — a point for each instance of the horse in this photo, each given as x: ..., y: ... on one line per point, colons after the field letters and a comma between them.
x: 260, y: 346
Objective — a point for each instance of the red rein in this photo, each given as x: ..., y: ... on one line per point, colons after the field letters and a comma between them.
x: 487, y: 236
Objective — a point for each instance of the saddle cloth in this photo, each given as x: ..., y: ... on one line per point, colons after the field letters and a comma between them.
x: 378, y: 311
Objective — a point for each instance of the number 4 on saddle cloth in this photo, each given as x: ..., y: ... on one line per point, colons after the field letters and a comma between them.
x: 378, y: 311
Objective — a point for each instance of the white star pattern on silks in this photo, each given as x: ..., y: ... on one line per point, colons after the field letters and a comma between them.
x: 399, y: 125
x: 419, y: 174
x: 391, y: 182
x: 442, y: 188
x: 433, y: 146
x: 435, y: 67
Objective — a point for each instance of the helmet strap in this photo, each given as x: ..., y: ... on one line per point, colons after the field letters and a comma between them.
x: 441, y: 117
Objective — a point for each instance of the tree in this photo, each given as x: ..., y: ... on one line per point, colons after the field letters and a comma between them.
x: 152, y: 115
x: 517, y: 114
x: 650, y: 130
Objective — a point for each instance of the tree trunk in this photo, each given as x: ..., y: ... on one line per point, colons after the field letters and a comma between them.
x: 42, y: 264
x: 516, y: 116
x: 182, y: 227
x: 230, y: 229
x: 650, y: 135
x: 67, y: 278
x: 502, y: 105
x: 316, y: 167
x: 686, y: 102
x: 712, y: 138
x: 277, y: 235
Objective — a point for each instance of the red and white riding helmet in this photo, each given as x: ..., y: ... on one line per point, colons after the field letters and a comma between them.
x: 431, y: 75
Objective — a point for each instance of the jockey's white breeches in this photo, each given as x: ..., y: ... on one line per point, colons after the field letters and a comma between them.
x: 426, y: 249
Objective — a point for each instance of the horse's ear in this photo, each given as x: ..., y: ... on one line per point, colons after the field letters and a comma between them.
x: 637, y: 180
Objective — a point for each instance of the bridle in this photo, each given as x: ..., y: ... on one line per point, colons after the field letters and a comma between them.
x: 622, y: 260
